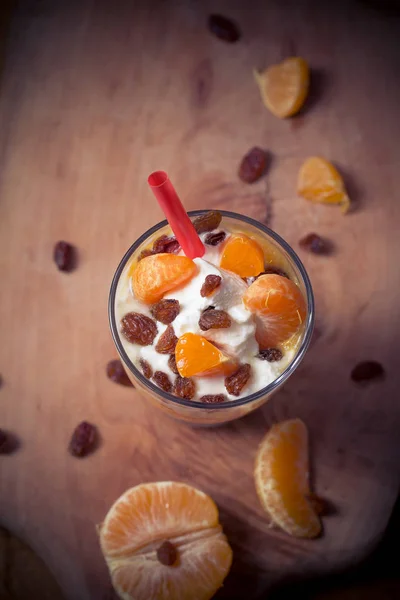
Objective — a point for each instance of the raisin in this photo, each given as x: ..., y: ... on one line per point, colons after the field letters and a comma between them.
x: 117, y: 373
x: 270, y: 354
x: 207, y: 222
x: 167, y: 341
x: 146, y: 368
x: 253, y: 165
x: 367, y: 371
x: 184, y: 387
x: 172, y: 364
x: 167, y: 554
x: 223, y: 28
x: 144, y: 253
x: 214, y: 319
x: 213, y: 398
x: 211, y: 283
x: 138, y: 329
x: 273, y: 271
x: 167, y: 244
x: 165, y: 311
x: 213, y: 239
x: 315, y: 244
x: 236, y: 382
x: 65, y: 256
x: 84, y: 440
x: 162, y: 380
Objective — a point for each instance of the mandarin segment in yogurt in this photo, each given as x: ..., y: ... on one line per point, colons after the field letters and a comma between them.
x: 217, y: 328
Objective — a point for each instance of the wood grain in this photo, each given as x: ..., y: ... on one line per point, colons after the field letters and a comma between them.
x: 94, y: 96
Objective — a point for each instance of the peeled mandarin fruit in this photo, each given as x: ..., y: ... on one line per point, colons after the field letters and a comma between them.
x: 156, y: 275
x: 319, y: 181
x: 243, y: 256
x: 163, y: 541
x: 281, y: 478
x: 195, y: 355
x: 279, y: 306
x: 284, y: 87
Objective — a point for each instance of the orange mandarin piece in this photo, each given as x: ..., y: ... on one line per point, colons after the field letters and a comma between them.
x: 243, y: 256
x: 163, y: 541
x: 281, y: 478
x: 320, y: 181
x: 158, y: 274
x: 195, y: 355
x: 279, y: 306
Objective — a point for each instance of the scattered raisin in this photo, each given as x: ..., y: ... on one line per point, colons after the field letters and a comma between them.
x: 213, y: 398
x: 224, y: 28
x: 172, y: 364
x: 138, y: 329
x: 184, y: 387
x: 236, y: 382
x: 211, y: 283
x: 117, y: 373
x: 165, y: 311
x: 213, y: 239
x: 214, y: 319
x: 270, y: 354
x: 146, y: 368
x: 84, y: 440
x: 167, y: 554
x: 367, y: 371
x: 167, y: 244
x: 144, y: 253
x: 273, y: 271
x: 315, y: 244
x: 65, y: 256
x: 207, y: 222
x: 162, y: 380
x: 253, y: 165
x: 167, y: 341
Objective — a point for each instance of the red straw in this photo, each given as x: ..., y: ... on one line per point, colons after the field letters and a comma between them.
x: 176, y: 215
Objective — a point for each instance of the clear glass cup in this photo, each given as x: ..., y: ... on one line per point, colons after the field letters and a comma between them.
x: 212, y: 414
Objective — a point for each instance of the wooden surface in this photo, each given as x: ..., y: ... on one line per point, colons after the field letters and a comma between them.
x: 94, y: 96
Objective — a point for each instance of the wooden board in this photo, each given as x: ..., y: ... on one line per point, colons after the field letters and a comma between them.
x: 93, y: 97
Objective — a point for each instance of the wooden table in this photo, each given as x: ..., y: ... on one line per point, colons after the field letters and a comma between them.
x: 94, y: 96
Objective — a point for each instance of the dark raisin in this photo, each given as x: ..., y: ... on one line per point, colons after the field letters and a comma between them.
x: 320, y: 505
x: 84, y: 440
x: 213, y: 239
x: 315, y: 244
x: 224, y: 28
x: 367, y: 371
x: 207, y: 222
x: 165, y: 311
x: 211, y: 283
x: 162, y: 380
x: 253, y: 165
x: 213, y: 398
x: 184, y: 387
x: 172, y: 364
x: 145, y: 253
x: 65, y: 256
x: 138, y: 329
x: 236, y: 382
x: 167, y: 244
x: 167, y: 554
x: 214, y: 319
x: 9, y: 442
x: 117, y: 373
x: 270, y: 354
x: 167, y: 341
x: 146, y: 368
x: 273, y: 271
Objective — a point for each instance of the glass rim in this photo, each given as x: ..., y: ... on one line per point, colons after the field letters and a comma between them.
x: 309, y: 324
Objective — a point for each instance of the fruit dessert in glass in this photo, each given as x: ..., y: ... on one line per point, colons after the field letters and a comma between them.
x: 209, y: 340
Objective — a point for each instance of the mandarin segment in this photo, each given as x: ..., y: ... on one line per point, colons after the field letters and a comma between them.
x: 284, y: 87
x: 242, y: 255
x: 147, y: 518
x: 195, y: 355
x: 282, y: 479
x: 320, y: 181
x: 158, y: 274
x: 279, y: 307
